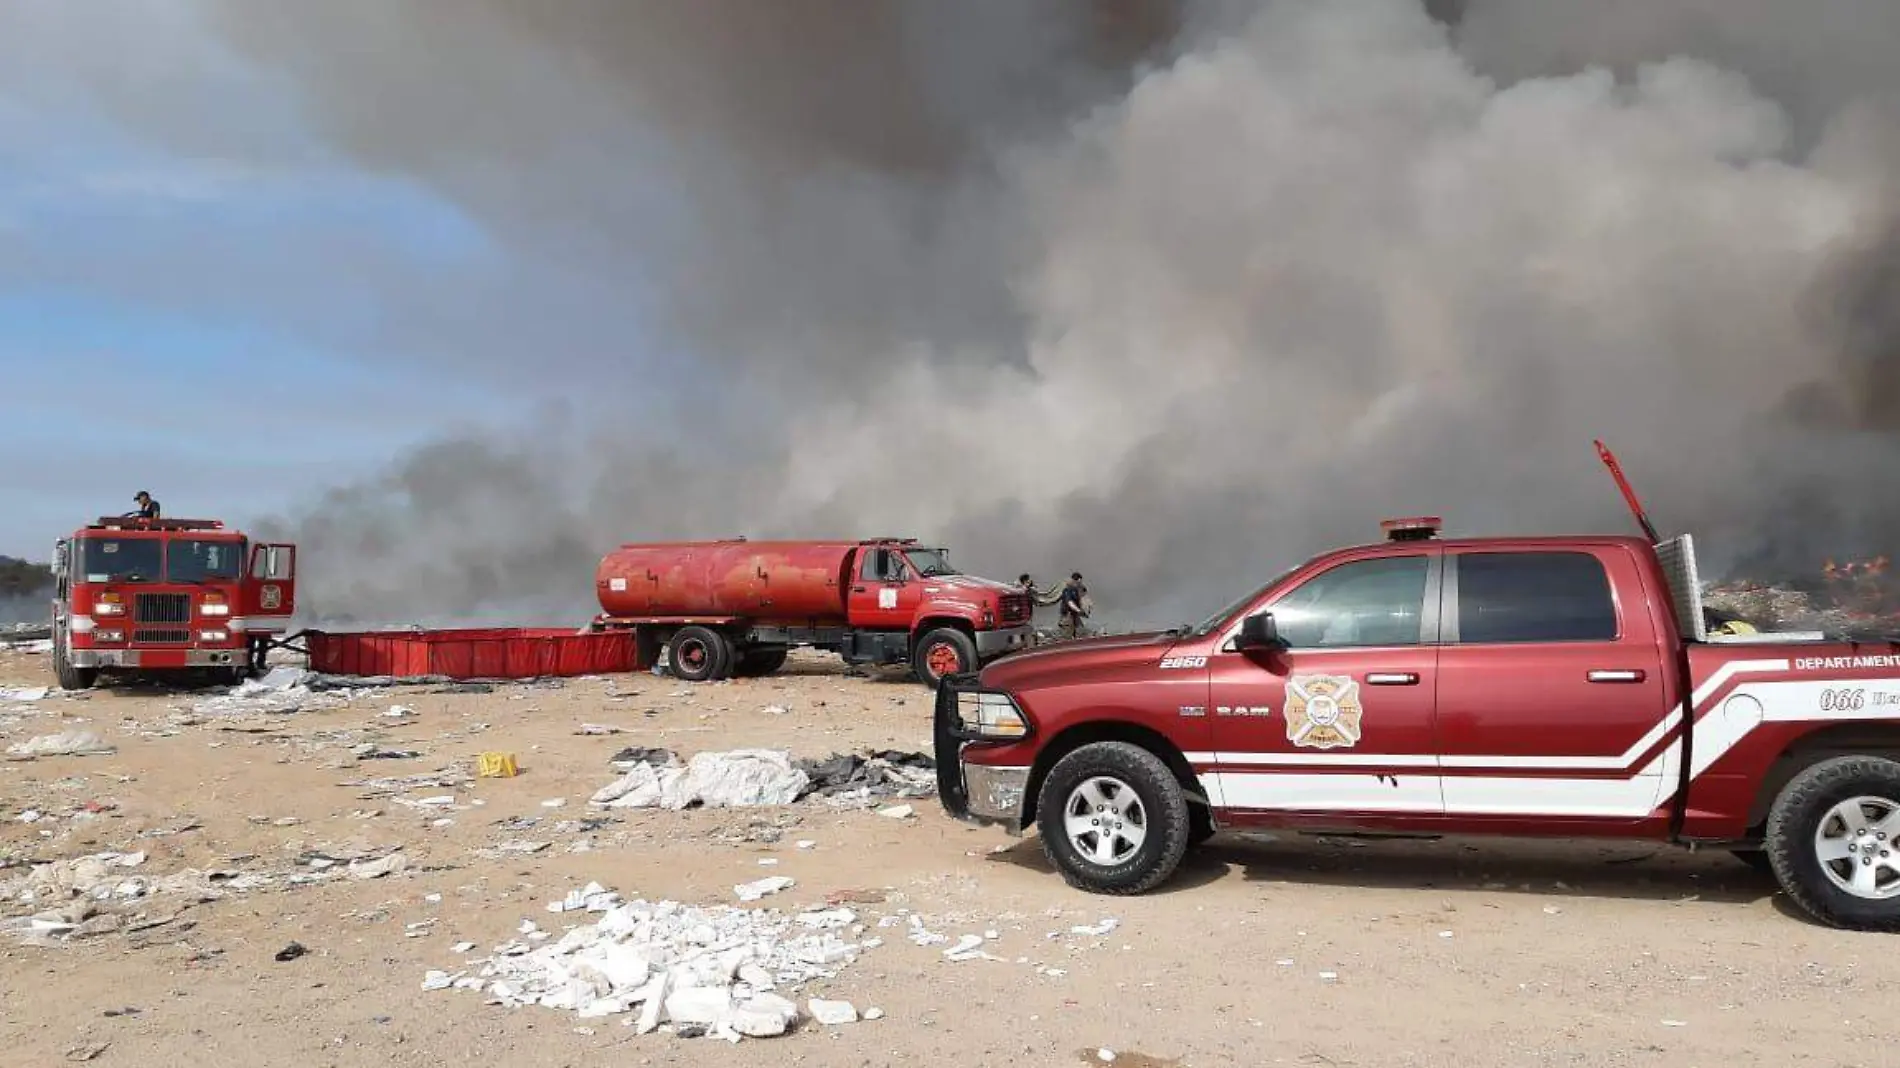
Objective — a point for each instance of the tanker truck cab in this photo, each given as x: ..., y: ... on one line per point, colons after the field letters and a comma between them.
x: 1558, y: 687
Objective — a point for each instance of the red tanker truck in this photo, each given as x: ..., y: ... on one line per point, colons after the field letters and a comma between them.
x: 735, y: 607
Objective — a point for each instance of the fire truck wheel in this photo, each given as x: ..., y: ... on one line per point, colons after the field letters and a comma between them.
x: 943, y: 651
x: 68, y: 676
x: 1113, y: 819
x: 756, y: 663
x: 699, y: 654
x: 1834, y: 840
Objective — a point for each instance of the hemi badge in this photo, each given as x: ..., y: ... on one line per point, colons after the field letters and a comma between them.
x: 1194, y: 710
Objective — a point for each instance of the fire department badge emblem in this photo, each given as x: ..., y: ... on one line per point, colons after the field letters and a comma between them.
x: 1322, y: 711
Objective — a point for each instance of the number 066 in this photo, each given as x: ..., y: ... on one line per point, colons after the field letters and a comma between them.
x: 1843, y: 700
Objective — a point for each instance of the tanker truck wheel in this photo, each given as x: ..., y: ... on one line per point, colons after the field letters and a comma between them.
x: 943, y: 651
x: 755, y: 663
x: 699, y: 654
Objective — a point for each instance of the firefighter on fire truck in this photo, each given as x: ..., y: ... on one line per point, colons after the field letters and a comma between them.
x: 147, y: 507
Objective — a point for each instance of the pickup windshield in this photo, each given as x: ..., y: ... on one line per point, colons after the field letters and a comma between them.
x: 204, y: 561
x: 121, y: 560
x: 1207, y: 626
x: 930, y: 562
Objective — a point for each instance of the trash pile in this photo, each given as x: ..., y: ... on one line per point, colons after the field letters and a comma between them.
x: 747, y: 778
x: 719, y: 972
x: 741, y: 778
x: 284, y: 690
x: 27, y: 637
x: 1781, y: 608
x: 844, y: 779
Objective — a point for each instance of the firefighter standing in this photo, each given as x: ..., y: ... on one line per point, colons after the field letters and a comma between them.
x: 1075, y: 607
x: 147, y: 507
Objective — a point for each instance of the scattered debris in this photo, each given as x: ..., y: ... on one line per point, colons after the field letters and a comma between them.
x: 66, y: 743
x: 832, y: 1013
x: 290, y: 952
x: 28, y: 694
x: 897, y: 812
x: 376, y: 869
x: 765, y: 887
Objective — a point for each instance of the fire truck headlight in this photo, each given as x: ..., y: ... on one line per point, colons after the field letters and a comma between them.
x: 213, y: 635
x: 108, y: 608
x: 108, y: 635
x: 214, y: 609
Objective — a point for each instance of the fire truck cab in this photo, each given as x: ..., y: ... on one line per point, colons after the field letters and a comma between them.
x: 165, y: 596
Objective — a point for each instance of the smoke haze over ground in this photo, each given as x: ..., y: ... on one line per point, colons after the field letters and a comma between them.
x: 1174, y: 294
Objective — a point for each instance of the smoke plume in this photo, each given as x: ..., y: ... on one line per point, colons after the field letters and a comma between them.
x: 1171, y: 293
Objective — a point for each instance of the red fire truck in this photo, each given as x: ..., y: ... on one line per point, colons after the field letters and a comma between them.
x: 164, y: 596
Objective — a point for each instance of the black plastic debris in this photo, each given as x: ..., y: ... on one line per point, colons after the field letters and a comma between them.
x: 636, y: 754
x: 291, y: 952
x: 882, y: 773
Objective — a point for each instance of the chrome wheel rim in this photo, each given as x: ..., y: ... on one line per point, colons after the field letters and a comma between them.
x: 1105, y: 821
x: 1855, y: 845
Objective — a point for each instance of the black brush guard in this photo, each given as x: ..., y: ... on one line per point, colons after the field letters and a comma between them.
x: 947, y: 738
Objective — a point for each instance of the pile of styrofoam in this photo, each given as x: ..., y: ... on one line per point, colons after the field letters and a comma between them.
x: 737, y: 779
x: 721, y: 971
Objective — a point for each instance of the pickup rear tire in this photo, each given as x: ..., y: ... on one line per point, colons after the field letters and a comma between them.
x: 699, y: 654
x: 942, y: 651
x: 1834, y: 840
x: 1113, y: 819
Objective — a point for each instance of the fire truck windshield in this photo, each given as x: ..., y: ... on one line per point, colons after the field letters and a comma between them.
x: 203, y: 561
x: 121, y: 560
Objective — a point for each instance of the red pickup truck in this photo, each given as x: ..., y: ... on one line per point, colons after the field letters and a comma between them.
x: 1553, y: 687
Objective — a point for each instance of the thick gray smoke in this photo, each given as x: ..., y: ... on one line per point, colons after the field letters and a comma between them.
x: 1173, y: 294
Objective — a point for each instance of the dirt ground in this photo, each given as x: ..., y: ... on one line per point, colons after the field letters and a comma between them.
x: 1265, y: 950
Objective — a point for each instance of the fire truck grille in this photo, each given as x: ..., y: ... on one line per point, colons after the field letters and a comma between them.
x: 161, y: 636
x: 163, y: 608
x: 1016, y: 609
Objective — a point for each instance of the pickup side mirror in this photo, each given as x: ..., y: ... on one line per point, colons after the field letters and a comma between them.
x: 1259, y: 632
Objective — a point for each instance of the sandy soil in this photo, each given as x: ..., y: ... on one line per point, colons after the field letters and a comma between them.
x: 1266, y: 950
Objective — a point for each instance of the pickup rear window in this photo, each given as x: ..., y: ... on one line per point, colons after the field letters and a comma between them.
x: 1533, y: 597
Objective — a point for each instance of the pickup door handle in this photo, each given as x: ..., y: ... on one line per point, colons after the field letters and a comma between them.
x: 857, y: 589
x: 1392, y: 678
x: 1617, y: 676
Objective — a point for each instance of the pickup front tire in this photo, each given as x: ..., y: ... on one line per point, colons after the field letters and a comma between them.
x: 1834, y: 840
x: 1113, y: 819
